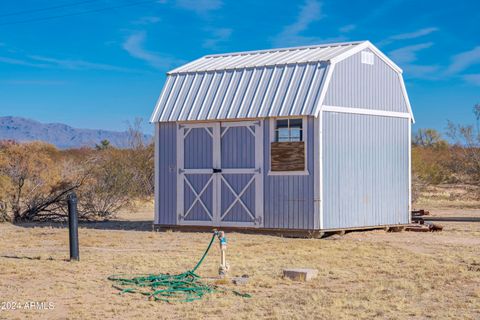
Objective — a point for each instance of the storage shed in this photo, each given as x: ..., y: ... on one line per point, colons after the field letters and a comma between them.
x: 297, y: 139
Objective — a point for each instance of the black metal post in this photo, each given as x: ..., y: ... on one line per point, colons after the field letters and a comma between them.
x: 73, y: 226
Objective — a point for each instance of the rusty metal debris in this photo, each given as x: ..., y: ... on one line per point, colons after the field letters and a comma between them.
x: 419, y: 213
x: 420, y: 225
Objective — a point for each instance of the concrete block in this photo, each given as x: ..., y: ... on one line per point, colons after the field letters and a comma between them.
x: 300, y: 274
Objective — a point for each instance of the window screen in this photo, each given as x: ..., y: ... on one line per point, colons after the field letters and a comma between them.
x: 288, y: 130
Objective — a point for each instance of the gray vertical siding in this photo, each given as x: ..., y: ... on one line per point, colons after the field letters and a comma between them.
x: 365, y: 170
x: 167, y: 174
x: 198, y: 146
x: 357, y: 85
x: 288, y: 200
x: 237, y: 148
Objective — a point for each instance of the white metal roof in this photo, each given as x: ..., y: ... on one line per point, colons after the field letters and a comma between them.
x: 263, y: 58
x: 253, y: 84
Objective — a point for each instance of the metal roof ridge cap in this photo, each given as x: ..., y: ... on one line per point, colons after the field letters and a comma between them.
x: 325, y: 45
x: 170, y: 73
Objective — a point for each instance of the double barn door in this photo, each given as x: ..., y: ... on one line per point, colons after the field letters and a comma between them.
x: 220, y: 178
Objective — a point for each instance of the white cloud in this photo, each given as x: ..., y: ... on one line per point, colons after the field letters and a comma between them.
x: 200, y: 6
x: 36, y: 61
x: 472, y: 78
x: 134, y: 45
x: 75, y: 64
x: 147, y: 20
x: 380, y: 10
x: 408, y: 54
x: 217, y: 37
x: 429, y: 72
x: 347, y: 28
x: 407, y: 36
x: 414, y: 34
x: 19, y: 62
x: 464, y: 60
x: 35, y: 82
x: 310, y: 12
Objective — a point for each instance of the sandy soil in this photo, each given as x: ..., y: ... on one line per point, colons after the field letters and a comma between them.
x: 362, y: 275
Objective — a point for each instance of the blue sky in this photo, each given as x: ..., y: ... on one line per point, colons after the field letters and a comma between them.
x: 107, y: 66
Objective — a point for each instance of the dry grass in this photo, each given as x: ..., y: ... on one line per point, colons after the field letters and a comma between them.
x: 361, y: 275
x: 449, y: 196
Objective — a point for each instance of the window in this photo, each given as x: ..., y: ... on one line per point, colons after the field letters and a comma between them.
x: 288, y: 130
x: 287, y: 147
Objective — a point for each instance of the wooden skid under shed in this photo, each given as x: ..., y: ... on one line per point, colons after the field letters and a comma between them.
x: 289, y: 233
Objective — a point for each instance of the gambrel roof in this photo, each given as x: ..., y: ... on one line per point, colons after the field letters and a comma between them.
x: 254, y: 84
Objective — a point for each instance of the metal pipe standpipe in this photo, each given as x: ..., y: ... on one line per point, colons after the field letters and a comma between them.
x: 73, y: 226
x: 224, y: 266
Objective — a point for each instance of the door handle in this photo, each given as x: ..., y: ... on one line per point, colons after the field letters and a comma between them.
x: 216, y: 170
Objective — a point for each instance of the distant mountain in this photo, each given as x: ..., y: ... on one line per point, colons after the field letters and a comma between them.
x: 58, y: 134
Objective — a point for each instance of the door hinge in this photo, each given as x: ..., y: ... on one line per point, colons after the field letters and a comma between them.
x: 258, y: 220
x: 180, y: 171
x: 259, y: 170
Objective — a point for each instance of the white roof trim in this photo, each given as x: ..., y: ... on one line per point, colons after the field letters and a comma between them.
x: 323, y: 92
x: 366, y: 111
x: 405, y: 95
x: 363, y: 46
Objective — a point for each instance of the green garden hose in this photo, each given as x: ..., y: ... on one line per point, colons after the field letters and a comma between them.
x: 183, y: 287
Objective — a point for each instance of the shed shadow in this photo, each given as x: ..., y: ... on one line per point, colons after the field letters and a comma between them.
x: 135, y: 225
x: 18, y: 257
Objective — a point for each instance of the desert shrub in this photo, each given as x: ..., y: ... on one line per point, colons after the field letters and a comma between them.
x: 36, y: 177
x: 4, y: 187
x: 107, y: 189
x: 432, y: 165
x: 466, y: 151
x: 431, y: 158
x: 33, y: 181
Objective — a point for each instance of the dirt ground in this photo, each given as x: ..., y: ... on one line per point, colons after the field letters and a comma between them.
x: 362, y: 275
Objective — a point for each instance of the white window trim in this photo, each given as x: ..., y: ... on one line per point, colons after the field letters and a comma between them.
x: 366, y: 111
x: 272, y: 139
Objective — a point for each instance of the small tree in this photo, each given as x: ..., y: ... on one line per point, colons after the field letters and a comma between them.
x: 466, y: 152
x: 141, y: 160
x: 428, y: 138
x: 104, y: 144
x: 4, y: 187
